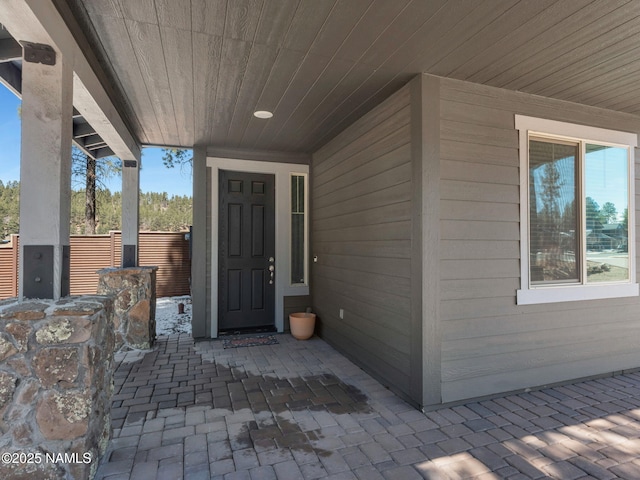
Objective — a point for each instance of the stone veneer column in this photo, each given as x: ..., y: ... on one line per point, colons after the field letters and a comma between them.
x: 134, y: 291
x: 56, y: 384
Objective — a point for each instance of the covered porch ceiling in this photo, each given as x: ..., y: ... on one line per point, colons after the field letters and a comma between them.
x: 192, y: 72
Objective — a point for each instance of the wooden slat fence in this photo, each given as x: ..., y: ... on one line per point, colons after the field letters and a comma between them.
x: 9, y: 268
x: 89, y: 254
x: 169, y: 251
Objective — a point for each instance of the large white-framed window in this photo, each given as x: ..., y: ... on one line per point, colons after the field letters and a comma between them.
x: 577, y: 209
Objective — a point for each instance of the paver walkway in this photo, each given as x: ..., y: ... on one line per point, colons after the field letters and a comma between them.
x: 300, y: 410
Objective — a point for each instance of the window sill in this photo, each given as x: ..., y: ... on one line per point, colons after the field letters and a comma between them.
x: 296, y: 290
x: 575, y: 293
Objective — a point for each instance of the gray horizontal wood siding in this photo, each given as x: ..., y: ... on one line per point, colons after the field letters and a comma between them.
x: 361, y: 201
x: 490, y: 344
x: 294, y: 304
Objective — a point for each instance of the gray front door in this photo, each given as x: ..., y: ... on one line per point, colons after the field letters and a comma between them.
x: 246, y: 283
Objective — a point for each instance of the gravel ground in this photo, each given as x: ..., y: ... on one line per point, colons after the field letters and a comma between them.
x: 168, y: 320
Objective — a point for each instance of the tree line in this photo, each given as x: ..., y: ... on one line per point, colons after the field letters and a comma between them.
x: 9, y: 208
x: 158, y: 211
x: 597, y: 216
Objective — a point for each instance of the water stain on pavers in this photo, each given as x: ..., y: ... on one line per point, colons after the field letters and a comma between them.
x: 177, y: 376
x: 197, y: 411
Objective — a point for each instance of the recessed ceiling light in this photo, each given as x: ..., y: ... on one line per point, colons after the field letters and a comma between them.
x: 262, y: 114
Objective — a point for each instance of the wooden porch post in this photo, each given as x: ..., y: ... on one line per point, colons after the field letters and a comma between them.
x: 130, y: 212
x: 200, y: 324
x: 45, y: 174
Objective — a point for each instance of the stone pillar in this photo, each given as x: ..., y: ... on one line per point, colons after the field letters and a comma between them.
x: 56, y: 385
x: 134, y: 292
x: 130, y: 212
x: 45, y: 173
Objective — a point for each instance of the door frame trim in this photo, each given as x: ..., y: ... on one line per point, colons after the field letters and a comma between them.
x: 282, y: 172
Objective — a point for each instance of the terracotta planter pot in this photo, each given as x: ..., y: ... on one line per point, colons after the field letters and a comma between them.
x: 302, y: 325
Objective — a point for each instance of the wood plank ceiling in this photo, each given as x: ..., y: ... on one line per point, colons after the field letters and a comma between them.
x: 193, y: 71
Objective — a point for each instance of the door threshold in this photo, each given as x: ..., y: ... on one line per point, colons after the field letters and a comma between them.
x: 247, y: 331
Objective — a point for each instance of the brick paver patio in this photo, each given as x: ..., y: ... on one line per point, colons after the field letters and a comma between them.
x: 300, y: 410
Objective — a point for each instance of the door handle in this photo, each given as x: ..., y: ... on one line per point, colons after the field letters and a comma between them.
x: 272, y: 270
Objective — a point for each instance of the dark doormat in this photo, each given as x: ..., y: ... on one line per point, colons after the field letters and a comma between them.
x: 249, y: 341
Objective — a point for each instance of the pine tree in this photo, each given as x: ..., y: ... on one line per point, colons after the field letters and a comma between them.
x: 92, y: 173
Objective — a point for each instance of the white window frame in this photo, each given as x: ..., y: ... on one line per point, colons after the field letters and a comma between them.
x: 551, y: 293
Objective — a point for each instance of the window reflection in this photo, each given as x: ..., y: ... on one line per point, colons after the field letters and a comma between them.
x: 607, y: 218
x: 565, y: 246
x: 553, y: 216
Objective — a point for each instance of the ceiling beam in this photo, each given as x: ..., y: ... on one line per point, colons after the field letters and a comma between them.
x: 92, y: 141
x: 261, y: 155
x: 10, y: 50
x: 103, y: 152
x: 82, y: 130
x: 11, y: 77
x: 39, y: 22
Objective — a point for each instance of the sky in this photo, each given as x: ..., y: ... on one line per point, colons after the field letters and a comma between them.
x: 154, y: 176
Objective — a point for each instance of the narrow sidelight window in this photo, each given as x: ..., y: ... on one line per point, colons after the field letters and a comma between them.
x: 298, y: 220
